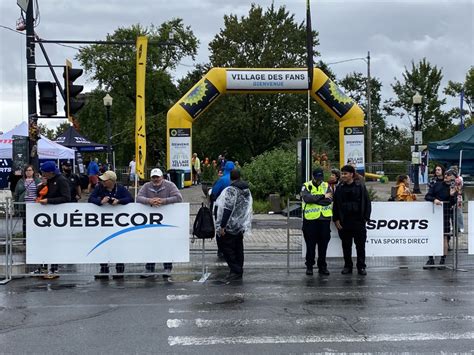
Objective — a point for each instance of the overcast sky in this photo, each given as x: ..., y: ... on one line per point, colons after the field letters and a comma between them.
x: 395, y: 32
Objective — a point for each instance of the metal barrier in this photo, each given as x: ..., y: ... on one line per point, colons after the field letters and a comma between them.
x: 462, y: 259
x: 13, y: 264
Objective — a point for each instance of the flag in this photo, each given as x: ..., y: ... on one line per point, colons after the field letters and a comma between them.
x: 140, y: 124
x: 309, y: 45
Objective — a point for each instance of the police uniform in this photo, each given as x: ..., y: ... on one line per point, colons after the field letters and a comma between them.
x: 317, y: 214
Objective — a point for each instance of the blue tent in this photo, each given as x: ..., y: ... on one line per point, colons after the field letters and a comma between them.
x: 457, y: 150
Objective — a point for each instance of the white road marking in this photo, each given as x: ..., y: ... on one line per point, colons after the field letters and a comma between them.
x: 301, y: 339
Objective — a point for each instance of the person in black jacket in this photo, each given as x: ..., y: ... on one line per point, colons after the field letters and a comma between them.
x: 351, y: 211
x: 108, y: 192
x: 443, y: 192
x: 53, y: 190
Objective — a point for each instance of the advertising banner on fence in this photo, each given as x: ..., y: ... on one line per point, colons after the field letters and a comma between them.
x: 398, y: 229
x: 83, y: 233
x: 470, y: 225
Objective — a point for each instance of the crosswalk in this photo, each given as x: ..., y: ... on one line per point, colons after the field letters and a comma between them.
x: 299, y: 315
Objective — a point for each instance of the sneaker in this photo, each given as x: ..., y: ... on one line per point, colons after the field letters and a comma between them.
x: 309, y: 271
x: 442, y: 263
x: 346, y: 270
x: 429, y: 263
x: 362, y: 272
x: 323, y: 271
x: 233, y: 277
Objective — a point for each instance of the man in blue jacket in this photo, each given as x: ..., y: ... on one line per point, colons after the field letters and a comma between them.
x: 217, y: 188
x: 108, y: 192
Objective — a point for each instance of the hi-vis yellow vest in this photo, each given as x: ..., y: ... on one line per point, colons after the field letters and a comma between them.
x: 311, y: 210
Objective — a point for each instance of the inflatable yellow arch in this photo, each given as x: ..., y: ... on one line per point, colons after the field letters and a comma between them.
x: 219, y: 81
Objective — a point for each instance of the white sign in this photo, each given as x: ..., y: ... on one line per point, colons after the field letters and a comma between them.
x: 84, y: 233
x: 354, y: 147
x: 398, y: 229
x: 180, y: 149
x: 416, y: 157
x: 267, y: 80
x: 470, y: 224
x: 418, y: 138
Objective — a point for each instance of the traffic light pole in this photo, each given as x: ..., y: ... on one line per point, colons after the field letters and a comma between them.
x: 31, y: 78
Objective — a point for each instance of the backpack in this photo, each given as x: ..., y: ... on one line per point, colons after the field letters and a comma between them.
x: 203, y: 227
x: 393, y: 194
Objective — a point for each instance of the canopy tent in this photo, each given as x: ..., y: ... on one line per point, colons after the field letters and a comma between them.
x: 47, y: 149
x: 457, y: 150
x: 73, y: 139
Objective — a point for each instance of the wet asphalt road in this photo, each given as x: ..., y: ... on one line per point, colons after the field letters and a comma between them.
x: 270, y: 312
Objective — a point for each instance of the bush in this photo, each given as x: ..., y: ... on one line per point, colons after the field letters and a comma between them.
x: 209, y: 173
x: 261, y: 206
x: 272, y: 172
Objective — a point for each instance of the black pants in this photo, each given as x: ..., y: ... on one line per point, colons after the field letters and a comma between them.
x: 316, y: 232
x: 233, y: 249
x: 150, y: 267
x: 118, y: 267
x: 359, y: 237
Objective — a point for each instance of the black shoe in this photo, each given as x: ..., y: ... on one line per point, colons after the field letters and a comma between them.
x: 346, y: 270
x: 362, y: 272
x: 323, y: 271
x: 233, y: 277
x: 309, y: 271
x: 103, y: 274
x: 442, y: 263
x: 429, y: 263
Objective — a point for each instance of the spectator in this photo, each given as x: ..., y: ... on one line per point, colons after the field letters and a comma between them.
x: 459, y: 184
x: 26, y: 192
x: 53, y: 190
x: 109, y: 192
x: 217, y: 188
x: 74, y: 182
x: 317, y: 213
x: 351, y: 211
x: 93, y: 173
x: 159, y: 192
x: 443, y: 193
x: 132, y: 170
x: 334, y: 180
x: 438, y: 175
x: 403, y: 189
x: 196, y: 165
x: 233, y: 220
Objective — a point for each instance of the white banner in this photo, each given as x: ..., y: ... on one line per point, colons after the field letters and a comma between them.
x: 180, y: 148
x: 84, y: 233
x: 398, y: 229
x: 470, y: 226
x: 273, y: 80
x: 354, y: 147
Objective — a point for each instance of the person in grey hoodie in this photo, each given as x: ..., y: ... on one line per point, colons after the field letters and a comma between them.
x: 233, y: 220
x: 158, y: 192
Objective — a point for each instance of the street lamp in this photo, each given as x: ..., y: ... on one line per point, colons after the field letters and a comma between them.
x: 369, y: 104
x: 417, y: 98
x: 108, y: 104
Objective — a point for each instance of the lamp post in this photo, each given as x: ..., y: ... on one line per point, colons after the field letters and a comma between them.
x: 369, y: 104
x: 417, y: 98
x: 108, y: 104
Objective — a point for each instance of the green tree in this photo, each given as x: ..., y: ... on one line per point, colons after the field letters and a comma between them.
x: 425, y: 79
x: 454, y: 89
x: 113, y: 67
x: 247, y: 125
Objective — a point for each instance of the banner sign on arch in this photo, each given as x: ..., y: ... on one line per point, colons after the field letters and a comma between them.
x: 354, y: 147
x: 180, y: 148
x: 266, y: 80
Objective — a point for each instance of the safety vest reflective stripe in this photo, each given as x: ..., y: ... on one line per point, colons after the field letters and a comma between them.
x: 312, y: 210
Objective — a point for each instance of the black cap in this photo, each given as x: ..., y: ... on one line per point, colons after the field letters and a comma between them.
x: 318, y: 173
x: 66, y: 163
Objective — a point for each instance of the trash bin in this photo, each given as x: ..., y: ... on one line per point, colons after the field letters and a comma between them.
x: 177, y: 176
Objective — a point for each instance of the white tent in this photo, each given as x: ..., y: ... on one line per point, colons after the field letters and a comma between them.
x: 46, y: 149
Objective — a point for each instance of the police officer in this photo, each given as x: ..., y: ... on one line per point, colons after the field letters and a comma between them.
x: 317, y: 213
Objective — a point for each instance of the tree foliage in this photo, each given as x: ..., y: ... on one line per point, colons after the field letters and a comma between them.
x: 113, y: 67
x: 454, y: 89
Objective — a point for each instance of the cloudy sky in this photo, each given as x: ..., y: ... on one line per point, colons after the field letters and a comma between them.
x: 396, y: 32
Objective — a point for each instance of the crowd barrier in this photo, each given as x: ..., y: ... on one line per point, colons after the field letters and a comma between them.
x: 271, y: 243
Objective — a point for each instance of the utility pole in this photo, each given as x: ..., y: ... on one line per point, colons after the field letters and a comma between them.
x: 369, y: 114
x: 31, y: 78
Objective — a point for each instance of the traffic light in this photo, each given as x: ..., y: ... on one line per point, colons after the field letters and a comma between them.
x: 47, y: 98
x: 72, y: 104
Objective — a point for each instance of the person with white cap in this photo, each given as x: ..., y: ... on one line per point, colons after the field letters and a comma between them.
x: 158, y: 192
x: 108, y: 192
